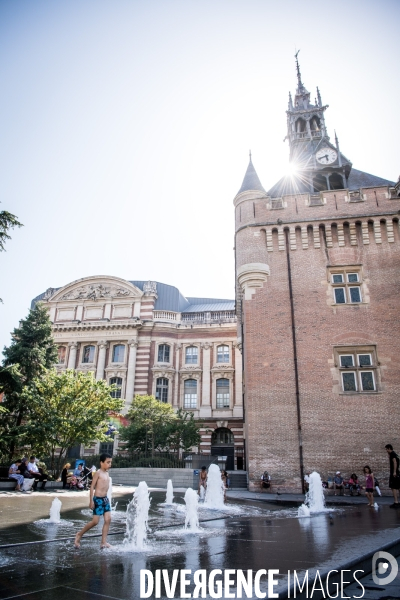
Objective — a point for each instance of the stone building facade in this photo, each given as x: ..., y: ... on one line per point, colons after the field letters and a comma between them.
x: 318, y: 298
x: 147, y: 338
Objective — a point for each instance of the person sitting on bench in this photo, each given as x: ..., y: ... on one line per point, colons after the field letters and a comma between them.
x: 35, y: 474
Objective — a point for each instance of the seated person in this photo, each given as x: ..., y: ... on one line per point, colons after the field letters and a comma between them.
x: 35, y: 473
x: 265, y: 480
x: 14, y: 473
x: 78, y: 472
x: 354, y: 486
x: 338, y: 483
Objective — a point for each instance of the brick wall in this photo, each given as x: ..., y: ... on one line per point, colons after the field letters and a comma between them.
x: 338, y: 431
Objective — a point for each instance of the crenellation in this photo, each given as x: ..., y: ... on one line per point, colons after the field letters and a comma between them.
x: 390, y: 232
x: 317, y: 240
x: 304, y: 237
x: 353, y: 235
x: 292, y: 234
x: 377, y: 232
x: 328, y: 234
x: 365, y: 233
x: 340, y: 231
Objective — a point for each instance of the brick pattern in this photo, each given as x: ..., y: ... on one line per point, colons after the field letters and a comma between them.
x: 338, y: 430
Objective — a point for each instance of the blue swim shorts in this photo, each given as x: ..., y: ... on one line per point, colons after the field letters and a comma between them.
x: 101, y: 505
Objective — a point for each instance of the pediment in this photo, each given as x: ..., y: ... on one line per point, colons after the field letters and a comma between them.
x: 97, y: 288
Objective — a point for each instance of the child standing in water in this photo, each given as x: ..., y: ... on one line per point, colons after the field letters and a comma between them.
x: 99, y: 502
x: 369, y: 485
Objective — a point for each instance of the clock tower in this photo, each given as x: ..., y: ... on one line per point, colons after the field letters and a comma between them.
x: 318, y: 162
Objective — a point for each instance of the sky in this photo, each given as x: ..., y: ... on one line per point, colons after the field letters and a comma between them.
x: 125, y: 128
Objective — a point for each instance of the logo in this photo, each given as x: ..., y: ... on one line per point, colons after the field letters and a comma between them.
x: 381, y: 563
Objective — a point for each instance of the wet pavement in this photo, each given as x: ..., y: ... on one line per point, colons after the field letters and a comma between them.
x: 248, y: 534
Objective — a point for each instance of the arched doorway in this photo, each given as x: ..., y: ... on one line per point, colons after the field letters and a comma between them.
x: 222, y: 444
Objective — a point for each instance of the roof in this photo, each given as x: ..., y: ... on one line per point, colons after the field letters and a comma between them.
x: 251, y: 180
x: 291, y: 184
x: 214, y: 306
x: 170, y: 298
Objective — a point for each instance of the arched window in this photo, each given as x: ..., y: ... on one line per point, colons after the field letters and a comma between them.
x: 319, y: 183
x: 222, y: 435
x: 315, y: 124
x: 191, y: 355
x: 223, y: 354
x: 62, y: 351
x: 118, y: 353
x: 190, y: 393
x: 117, y: 381
x: 88, y: 354
x: 163, y: 353
x: 336, y: 182
x: 162, y: 389
x: 223, y: 393
x: 301, y: 126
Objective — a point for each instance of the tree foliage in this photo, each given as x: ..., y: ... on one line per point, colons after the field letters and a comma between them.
x: 7, y: 222
x: 66, y: 409
x: 155, y: 426
x: 31, y: 352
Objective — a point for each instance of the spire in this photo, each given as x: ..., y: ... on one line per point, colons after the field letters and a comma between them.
x: 251, y: 180
x: 300, y: 87
x: 290, y: 105
x: 319, y: 97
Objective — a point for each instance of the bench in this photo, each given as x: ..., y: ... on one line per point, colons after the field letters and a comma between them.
x: 6, y: 482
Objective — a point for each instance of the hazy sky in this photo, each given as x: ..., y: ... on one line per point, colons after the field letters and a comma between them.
x: 125, y: 127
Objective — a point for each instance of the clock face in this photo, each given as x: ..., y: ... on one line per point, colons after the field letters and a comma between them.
x: 326, y: 156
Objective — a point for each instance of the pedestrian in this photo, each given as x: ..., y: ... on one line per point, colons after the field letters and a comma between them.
x: 369, y: 485
x: 394, y: 477
x: 64, y: 474
x: 203, y: 480
x: 99, y: 502
x: 14, y: 473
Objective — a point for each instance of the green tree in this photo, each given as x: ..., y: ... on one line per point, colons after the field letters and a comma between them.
x: 149, y: 420
x: 7, y: 222
x: 155, y: 426
x: 31, y: 352
x: 184, y: 431
x: 64, y: 410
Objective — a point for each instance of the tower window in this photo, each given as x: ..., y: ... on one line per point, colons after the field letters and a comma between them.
x: 319, y: 183
x: 163, y: 353
x: 162, y: 389
x: 358, y: 370
x: 336, y: 182
x: 346, y: 287
x: 301, y: 126
x: 190, y: 393
x: 315, y: 123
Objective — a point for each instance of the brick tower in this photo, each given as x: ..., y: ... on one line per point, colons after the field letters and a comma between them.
x: 318, y: 298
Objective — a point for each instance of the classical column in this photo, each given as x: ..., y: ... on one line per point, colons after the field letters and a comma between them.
x: 238, y: 400
x: 130, y: 378
x: 101, y: 360
x: 73, y: 346
x: 176, y: 383
x: 205, y: 408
